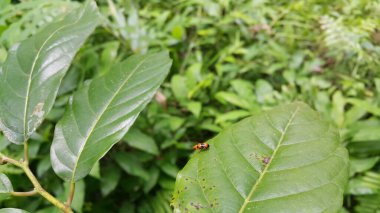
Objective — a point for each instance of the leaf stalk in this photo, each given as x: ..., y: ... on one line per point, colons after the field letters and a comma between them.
x: 71, y: 194
x: 24, y: 194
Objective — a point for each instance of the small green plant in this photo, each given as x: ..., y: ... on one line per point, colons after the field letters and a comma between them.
x: 97, y: 116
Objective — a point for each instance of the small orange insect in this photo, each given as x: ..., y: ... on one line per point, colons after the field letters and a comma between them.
x: 201, y: 146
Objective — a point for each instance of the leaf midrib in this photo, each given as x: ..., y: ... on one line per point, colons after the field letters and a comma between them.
x: 92, y: 128
x: 26, y: 128
x: 280, y: 141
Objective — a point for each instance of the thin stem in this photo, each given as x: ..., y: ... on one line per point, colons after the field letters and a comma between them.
x: 71, y: 194
x: 6, y: 159
x: 24, y: 194
x: 26, y: 153
x: 44, y: 193
x: 37, y: 186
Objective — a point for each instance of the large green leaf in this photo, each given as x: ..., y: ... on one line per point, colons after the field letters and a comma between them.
x: 102, y: 112
x: 5, y: 187
x: 34, y: 68
x: 285, y: 160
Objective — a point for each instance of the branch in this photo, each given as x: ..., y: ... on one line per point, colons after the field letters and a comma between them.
x: 37, y: 186
x: 24, y: 194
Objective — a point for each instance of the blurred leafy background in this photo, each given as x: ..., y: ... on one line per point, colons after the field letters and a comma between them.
x: 231, y: 59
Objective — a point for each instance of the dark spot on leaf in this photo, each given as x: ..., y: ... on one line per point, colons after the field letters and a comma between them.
x: 197, y: 206
x: 266, y: 160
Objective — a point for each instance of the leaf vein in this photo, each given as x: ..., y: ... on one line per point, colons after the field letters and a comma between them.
x: 254, y: 187
x: 26, y: 129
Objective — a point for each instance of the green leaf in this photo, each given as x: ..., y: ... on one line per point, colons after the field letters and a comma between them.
x: 358, y: 165
x: 49, y: 210
x: 178, y: 85
x: 79, y: 194
x: 95, y: 171
x: 233, y: 115
x: 135, y: 138
x: 43, y: 166
x: 243, y: 88
x: 231, y: 98
x: 158, y: 203
x: 285, y: 160
x: 101, y: 113
x: 12, y: 210
x: 338, y: 104
x: 128, y: 207
x: 368, y: 183
x: 194, y: 107
x: 169, y: 169
x: 154, y: 173
x: 264, y: 91
x: 368, y: 203
x: 108, y: 56
x: 369, y: 107
x: 31, y: 75
x: 175, y: 122
x: 4, y: 142
x: 5, y: 187
x: 4, y: 3
x: 131, y: 165
x: 109, y: 178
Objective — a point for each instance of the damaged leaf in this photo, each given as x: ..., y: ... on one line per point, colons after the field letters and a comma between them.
x: 285, y: 160
x: 32, y: 73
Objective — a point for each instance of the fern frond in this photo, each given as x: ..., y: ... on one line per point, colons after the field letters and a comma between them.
x: 367, y: 184
x: 338, y: 37
x: 368, y: 203
x: 341, y: 38
x: 159, y: 203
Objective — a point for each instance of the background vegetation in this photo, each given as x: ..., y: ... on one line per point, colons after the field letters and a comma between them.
x: 231, y: 58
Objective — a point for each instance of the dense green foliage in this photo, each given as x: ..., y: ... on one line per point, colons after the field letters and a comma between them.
x: 267, y: 163
x: 230, y: 59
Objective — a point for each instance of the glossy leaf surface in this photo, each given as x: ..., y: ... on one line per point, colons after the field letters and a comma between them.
x: 285, y: 160
x: 5, y: 187
x: 102, y: 112
x: 34, y: 68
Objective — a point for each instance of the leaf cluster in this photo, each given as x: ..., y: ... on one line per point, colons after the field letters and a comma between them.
x: 230, y: 59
